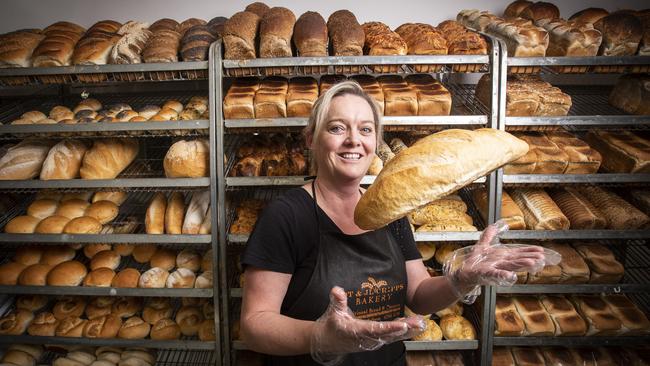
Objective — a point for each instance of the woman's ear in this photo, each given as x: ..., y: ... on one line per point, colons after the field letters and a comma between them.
x: 309, y: 139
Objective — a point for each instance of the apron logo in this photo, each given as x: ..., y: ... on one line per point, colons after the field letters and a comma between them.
x: 376, y: 299
x: 373, y: 284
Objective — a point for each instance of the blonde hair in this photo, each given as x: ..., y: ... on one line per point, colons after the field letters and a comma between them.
x: 317, y: 118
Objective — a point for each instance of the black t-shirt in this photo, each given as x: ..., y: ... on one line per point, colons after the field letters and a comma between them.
x: 285, y: 239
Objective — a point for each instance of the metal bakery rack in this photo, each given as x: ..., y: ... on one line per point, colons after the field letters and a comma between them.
x: 138, y: 85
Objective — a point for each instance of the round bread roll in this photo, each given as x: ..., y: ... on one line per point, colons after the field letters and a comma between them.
x: 64, y: 361
x: 165, y: 329
x: 193, y: 301
x: 28, y: 255
x: 149, y: 111
x: 139, y: 353
x: 104, y: 349
x: 102, y: 363
x: 83, y: 357
x: 126, y: 278
x: 156, y: 309
x: 426, y: 249
x: 33, y: 350
x: 83, y: 196
x: 91, y: 249
x: 206, y: 261
x: 43, y: 325
x: 57, y: 254
x: 9, y: 273
x: 33, y: 116
x: 172, y: 104
x: 72, y: 208
x: 181, y: 278
x: 59, y: 113
x: 164, y: 258
x: 206, y: 331
x: 133, y: 361
x: 106, y: 326
x: 34, y: 275
x: 18, y: 358
x: 153, y: 278
x: 117, y: 197
x: 22, y: 225
x: 124, y: 249
x: 69, y: 273
x: 95, y: 310
x: 187, y: 159
x: 100, y: 277
x: 455, y: 327
x: 204, y: 280
x: 70, y: 327
x: 112, y: 357
x: 105, y: 258
x: 83, y: 225
x: 189, y: 259
x: 31, y: 302
x: 72, y: 306
x: 126, y: 307
x: 142, y: 253
x: 175, y: 213
x: 189, y: 318
x: 16, y: 322
x: 134, y: 328
x: 103, y: 211
x: 42, y: 208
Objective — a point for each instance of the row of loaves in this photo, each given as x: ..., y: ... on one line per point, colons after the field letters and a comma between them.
x: 108, y: 41
x: 603, y: 356
x: 438, y: 358
x: 265, y: 32
x: 171, y: 215
x: 536, y: 29
x: 106, y: 356
x: 105, y: 159
x: 270, y: 155
x: 92, y: 111
x: 415, y: 95
x: 57, y: 266
x: 108, y: 317
x: 577, y: 315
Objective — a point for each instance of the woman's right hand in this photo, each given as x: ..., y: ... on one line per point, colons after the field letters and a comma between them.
x: 338, y: 332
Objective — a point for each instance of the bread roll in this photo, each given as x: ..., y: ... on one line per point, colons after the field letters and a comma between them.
x: 204, y: 280
x: 106, y: 326
x: 34, y: 275
x: 108, y: 158
x: 187, y: 159
x: 19, y: 358
x: 85, y: 357
x: 69, y: 273
x: 69, y: 307
x: 72, y: 208
x: 188, y: 259
x: 117, y: 197
x: 181, y: 278
x: 239, y: 34
x: 42, y: 208
x: 126, y: 307
x: 165, y: 329
x: 206, y: 331
x: 27, y: 255
x: 621, y: 32
x: 155, y: 217
x: 105, y: 259
x: 83, y: 225
x: 56, y: 255
x: 174, y: 213
x: 126, y: 278
x: 134, y: 328
x: 620, y: 215
x: 100, y: 306
x: 153, y: 278
x: 142, y: 253
x: 540, y: 212
x: 196, y: 212
x: 22, y: 225
x: 455, y: 327
x: 43, y: 325
x: 631, y: 94
x: 276, y: 29
x: 24, y: 160
x: 52, y: 225
x: 83, y: 196
x: 156, y: 309
x: 71, y: 327
x: 102, y: 211
x: 16, y: 322
x: 463, y: 162
x: 189, y: 319
x: 100, y: 277
x: 310, y: 35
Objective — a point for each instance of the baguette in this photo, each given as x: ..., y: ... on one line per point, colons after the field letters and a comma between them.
x: 63, y: 161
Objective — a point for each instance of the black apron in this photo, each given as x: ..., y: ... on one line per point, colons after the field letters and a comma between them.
x: 370, y: 267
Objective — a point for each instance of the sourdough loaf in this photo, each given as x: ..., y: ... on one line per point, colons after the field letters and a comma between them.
x: 24, y: 160
x: 632, y: 94
x: 63, y: 161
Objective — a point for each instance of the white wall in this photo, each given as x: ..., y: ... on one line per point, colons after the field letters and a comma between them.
x: 16, y: 14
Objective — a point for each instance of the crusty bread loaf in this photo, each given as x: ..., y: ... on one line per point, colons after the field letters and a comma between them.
x: 187, y: 159
x: 573, y: 267
x: 175, y: 213
x: 620, y: 215
x: 603, y: 266
x: 422, y: 39
x: 196, y: 212
x: 582, y: 214
x: 456, y: 327
x: 276, y: 30
x: 381, y: 41
x: 310, y: 35
x: 239, y: 36
x: 622, y: 151
x: 571, y: 38
x: 565, y: 317
x: 195, y: 43
x: 128, y: 49
x: 162, y: 46
x: 540, y: 12
x: 64, y: 160
x: 540, y: 212
x: 515, y: 8
x: 456, y: 156
x: 24, y: 160
x: 400, y: 99
x: 589, y: 15
x: 508, y: 322
x: 57, y: 47
x: 155, y: 217
x: 433, y: 98
x: 535, y: 317
x: 16, y: 48
x: 632, y: 94
x: 582, y: 158
x: 95, y: 46
x: 621, y: 32
x: 270, y: 98
x: 598, y: 315
x: 108, y: 158
x: 346, y: 34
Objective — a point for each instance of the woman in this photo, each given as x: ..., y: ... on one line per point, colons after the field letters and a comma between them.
x: 307, y: 261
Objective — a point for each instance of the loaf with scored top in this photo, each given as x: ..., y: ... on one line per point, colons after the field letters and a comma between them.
x: 16, y: 48
x: 58, y: 46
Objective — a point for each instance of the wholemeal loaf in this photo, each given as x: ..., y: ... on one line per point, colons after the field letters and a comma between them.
x: 239, y: 36
x: 187, y: 159
x: 310, y: 35
x: 128, y: 49
x: 64, y: 160
x: 622, y: 151
x: 632, y: 94
x: 16, y: 48
x: 24, y: 160
x: 276, y: 30
x: 621, y: 32
x: 345, y: 33
x: 540, y: 212
x: 162, y: 46
x: 434, y: 167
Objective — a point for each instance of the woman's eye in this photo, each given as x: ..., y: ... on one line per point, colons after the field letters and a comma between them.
x: 366, y: 130
x: 336, y: 129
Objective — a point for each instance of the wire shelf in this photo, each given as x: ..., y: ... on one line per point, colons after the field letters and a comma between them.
x: 554, y: 179
x: 591, y: 64
x: 576, y: 234
x: 572, y: 341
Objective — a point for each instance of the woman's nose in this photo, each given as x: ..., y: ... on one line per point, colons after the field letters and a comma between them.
x: 353, y: 137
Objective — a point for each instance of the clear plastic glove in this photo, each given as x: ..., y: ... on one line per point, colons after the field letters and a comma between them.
x: 489, y: 262
x: 338, y: 332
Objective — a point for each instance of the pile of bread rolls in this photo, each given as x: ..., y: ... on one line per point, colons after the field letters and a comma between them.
x: 170, y: 215
x: 107, y: 356
x: 110, y: 317
x: 91, y: 110
x: 575, y: 315
x: 512, y: 356
x: 270, y: 155
x: 22, y: 354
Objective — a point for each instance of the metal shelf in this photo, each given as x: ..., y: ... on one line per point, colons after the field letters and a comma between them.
x: 107, y: 291
x: 576, y: 178
x: 386, y: 121
x: 575, y: 234
x: 183, y: 344
x: 440, y: 345
x: 579, y: 61
x: 595, y: 120
x: 447, y: 236
x: 106, y: 129
x: 104, y: 238
x: 573, y: 289
x: 290, y: 181
x: 163, y: 358
x: 593, y: 341
x: 106, y: 183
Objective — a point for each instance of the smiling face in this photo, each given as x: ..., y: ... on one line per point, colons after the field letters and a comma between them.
x: 346, y: 144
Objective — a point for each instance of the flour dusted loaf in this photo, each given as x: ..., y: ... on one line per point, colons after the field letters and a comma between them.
x: 16, y: 48
x: 108, y: 158
x: 239, y: 35
x: 24, y: 160
x: 434, y: 167
x: 64, y: 160
x: 187, y: 159
x: 276, y: 30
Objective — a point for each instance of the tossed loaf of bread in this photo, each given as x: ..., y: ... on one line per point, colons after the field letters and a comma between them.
x: 24, y: 160
x: 620, y: 214
x: 276, y: 30
x: 108, y: 158
x: 16, y: 48
x: 64, y: 160
x: 187, y: 159
x: 540, y: 212
x: 310, y: 35
x: 346, y: 34
x: 433, y: 167
x: 239, y: 36
x: 621, y: 32
x: 622, y: 151
x: 632, y: 94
